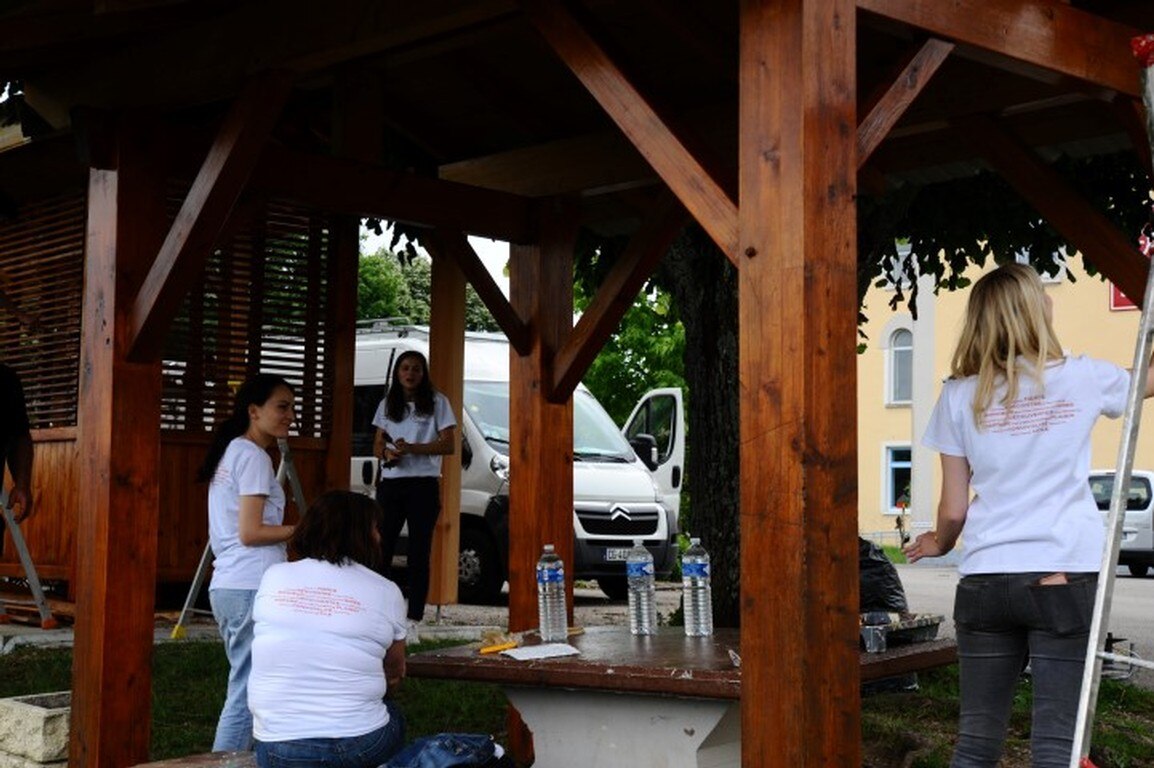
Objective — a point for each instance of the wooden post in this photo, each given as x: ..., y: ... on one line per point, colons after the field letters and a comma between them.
x: 798, y: 308
x: 541, y: 432
x: 447, y: 370
x: 119, y: 448
x: 358, y: 115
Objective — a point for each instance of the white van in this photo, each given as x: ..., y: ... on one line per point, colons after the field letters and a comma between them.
x: 1137, y: 550
x: 616, y: 496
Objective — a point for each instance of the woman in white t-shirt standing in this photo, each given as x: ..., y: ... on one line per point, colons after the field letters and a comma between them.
x: 415, y: 428
x: 329, y: 643
x: 246, y: 531
x: 1013, y: 422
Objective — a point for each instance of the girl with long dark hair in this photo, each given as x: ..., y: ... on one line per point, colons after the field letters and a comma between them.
x: 415, y: 428
x: 246, y: 530
x: 329, y: 643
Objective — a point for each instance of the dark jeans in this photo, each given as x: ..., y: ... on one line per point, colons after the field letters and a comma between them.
x: 1002, y: 620
x: 418, y: 501
x: 366, y: 751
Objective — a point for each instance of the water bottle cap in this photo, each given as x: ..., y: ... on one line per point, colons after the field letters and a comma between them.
x: 638, y: 542
x: 548, y: 547
x: 693, y: 540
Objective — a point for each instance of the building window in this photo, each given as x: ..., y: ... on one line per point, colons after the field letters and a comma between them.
x: 897, y: 478
x: 901, y: 368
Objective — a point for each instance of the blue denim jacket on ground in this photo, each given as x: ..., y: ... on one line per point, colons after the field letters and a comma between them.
x: 445, y: 750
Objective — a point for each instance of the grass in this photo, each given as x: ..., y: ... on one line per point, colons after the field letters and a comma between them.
x: 188, y: 689
x: 910, y: 729
x: 894, y: 553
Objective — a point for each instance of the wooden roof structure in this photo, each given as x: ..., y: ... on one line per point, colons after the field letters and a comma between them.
x: 758, y: 119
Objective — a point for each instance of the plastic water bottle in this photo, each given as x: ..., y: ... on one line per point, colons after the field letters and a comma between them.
x: 698, y: 600
x: 642, y: 590
x: 553, y: 624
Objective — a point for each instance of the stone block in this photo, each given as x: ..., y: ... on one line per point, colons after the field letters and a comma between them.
x: 35, y: 727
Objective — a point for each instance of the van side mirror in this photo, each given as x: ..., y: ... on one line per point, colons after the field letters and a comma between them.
x: 645, y: 446
x: 466, y: 453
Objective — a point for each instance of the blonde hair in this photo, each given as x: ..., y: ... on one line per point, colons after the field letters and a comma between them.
x: 1006, y: 330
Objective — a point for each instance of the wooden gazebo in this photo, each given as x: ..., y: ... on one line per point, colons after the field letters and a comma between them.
x: 195, y: 171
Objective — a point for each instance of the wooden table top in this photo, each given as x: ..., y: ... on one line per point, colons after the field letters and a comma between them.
x: 668, y: 663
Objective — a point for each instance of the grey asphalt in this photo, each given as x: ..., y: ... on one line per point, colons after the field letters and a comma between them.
x: 930, y: 589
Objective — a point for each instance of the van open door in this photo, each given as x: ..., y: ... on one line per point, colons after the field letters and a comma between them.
x: 660, y: 413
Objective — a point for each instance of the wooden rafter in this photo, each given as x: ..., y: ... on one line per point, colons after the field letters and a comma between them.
x: 1060, y: 204
x: 679, y: 165
x: 455, y: 246
x: 616, y: 293
x: 206, y: 209
x: 1047, y: 34
x: 364, y: 189
x: 884, y: 110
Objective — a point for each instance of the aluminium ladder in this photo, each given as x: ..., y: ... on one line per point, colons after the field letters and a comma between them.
x: 1096, y: 651
x: 286, y: 469
x: 47, y: 621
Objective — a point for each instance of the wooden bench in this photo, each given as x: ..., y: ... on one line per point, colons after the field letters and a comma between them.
x: 624, y: 697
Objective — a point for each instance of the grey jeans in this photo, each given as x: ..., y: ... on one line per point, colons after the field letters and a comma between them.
x: 1003, y: 620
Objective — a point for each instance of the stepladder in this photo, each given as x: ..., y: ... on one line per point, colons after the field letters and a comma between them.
x: 1097, y: 651
x: 37, y: 601
x: 286, y: 470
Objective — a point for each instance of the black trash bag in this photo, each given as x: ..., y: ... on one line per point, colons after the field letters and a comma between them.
x: 881, y: 587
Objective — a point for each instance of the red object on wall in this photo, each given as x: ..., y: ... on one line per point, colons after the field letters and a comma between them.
x: 1119, y: 301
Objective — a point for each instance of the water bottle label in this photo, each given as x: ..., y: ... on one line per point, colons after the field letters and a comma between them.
x: 638, y: 569
x: 695, y: 570
x: 550, y: 575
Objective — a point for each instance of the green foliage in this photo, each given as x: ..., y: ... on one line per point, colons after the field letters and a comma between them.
x: 950, y: 225
x: 647, y: 351
x: 382, y: 290
x: 395, y: 285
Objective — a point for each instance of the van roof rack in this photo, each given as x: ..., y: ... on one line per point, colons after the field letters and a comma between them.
x: 398, y: 325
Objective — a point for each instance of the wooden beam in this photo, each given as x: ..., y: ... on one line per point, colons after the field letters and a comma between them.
x: 680, y: 165
x: 206, y: 209
x: 358, y: 113
x: 798, y: 313
x: 455, y: 246
x: 616, y: 294
x: 1049, y: 34
x: 1111, y: 251
x: 884, y: 109
x: 118, y: 446
x: 447, y: 371
x: 364, y: 189
x: 541, y: 430
x: 194, y: 61
x: 1132, y: 114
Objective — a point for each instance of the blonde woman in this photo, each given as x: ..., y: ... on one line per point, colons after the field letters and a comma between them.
x: 1013, y: 423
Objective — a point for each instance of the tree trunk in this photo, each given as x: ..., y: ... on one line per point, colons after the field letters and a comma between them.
x: 704, y: 286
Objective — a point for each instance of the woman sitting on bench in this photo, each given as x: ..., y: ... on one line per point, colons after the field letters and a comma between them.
x: 329, y: 643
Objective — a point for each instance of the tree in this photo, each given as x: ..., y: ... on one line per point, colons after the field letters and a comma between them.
x: 389, y: 285
x: 949, y: 226
x: 647, y: 351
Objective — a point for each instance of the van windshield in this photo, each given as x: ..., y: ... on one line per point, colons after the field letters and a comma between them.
x: 595, y: 436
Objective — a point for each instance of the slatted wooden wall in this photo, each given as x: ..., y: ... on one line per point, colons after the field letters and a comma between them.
x: 260, y: 305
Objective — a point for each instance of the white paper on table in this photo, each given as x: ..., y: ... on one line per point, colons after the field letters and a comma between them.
x: 543, y: 651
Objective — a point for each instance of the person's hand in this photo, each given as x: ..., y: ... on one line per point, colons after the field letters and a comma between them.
x: 925, y: 545
x: 20, y: 503
x: 402, y: 446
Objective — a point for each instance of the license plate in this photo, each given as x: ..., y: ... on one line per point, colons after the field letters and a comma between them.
x: 617, y: 554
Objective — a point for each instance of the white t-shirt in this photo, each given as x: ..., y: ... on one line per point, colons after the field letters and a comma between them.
x: 244, y: 470
x: 318, y: 650
x: 1032, y: 508
x: 416, y: 428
